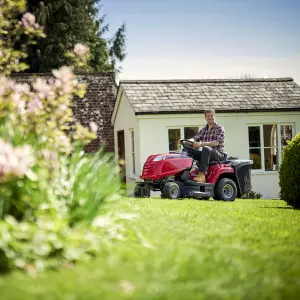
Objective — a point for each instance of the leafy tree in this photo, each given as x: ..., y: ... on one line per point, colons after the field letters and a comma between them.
x: 68, y: 22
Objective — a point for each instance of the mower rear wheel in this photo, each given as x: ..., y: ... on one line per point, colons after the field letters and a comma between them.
x: 226, y: 190
x: 171, y: 190
x: 141, y: 191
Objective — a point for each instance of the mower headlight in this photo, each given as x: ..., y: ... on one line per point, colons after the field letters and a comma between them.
x: 159, y: 157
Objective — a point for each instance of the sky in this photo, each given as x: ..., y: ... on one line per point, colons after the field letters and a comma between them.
x: 201, y: 39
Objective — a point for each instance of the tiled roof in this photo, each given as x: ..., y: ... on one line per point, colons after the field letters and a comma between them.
x: 223, y: 95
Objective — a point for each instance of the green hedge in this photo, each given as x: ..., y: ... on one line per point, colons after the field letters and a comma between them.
x: 289, y: 173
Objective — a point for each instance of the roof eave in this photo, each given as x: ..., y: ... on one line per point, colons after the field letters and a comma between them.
x: 221, y: 80
x: 219, y: 111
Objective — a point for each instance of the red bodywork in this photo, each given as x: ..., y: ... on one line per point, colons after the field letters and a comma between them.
x: 170, y: 164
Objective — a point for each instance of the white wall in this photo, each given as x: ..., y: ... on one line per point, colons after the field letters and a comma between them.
x: 126, y: 120
x: 154, y: 138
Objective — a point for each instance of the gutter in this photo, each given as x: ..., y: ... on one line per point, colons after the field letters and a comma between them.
x: 169, y: 112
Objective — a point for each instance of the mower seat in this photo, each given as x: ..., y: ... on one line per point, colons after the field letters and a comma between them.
x: 223, y: 161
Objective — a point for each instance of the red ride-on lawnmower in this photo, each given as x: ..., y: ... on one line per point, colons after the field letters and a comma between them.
x: 172, y: 173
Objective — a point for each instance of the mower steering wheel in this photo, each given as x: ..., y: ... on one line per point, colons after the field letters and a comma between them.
x: 187, y: 146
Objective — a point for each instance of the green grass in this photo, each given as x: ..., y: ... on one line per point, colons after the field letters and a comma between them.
x: 247, y: 249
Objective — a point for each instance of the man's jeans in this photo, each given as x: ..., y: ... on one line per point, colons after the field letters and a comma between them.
x: 205, y: 156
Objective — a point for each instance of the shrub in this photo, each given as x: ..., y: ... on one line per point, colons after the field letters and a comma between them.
x: 252, y: 195
x: 61, y: 223
x: 289, y: 173
x: 50, y: 191
x: 256, y: 161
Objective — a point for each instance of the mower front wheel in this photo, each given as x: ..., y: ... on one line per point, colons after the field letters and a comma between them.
x: 141, y: 191
x: 226, y: 190
x: 171, y: 190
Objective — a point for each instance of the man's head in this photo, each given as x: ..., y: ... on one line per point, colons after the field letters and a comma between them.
x: 210, y: 116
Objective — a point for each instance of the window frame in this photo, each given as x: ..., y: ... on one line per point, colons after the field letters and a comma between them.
x: 132, y: 153
x: 181, y: 133
x: 262, y: 148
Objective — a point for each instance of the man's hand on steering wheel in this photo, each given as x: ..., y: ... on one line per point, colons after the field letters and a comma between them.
x: 196, y: 145
x: 190, y: 143
x: 182, y: 141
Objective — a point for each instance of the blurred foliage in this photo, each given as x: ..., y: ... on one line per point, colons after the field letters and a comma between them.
x: 252, y: 195
x: 51, y: 192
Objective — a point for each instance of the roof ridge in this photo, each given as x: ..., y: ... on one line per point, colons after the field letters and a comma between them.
x: 154, y: 81
x: 50, y: 74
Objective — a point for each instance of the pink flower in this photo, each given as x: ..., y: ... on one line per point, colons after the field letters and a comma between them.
x: 16, y: 97
x: 25, y: 159
x: 21, y: 107
x: 64, y: 80
x: 34, y: 106
x: 64, y: 74
x: 6, y: 86
x: 93, y: 127
x: 43, y: 88
x: 5, y: 150
x: 14, y: 161
x: 20, y: 104
x: 10, y: 85
x: 22, y: 88
x: 28, y: 20
x: 81, y: 50
x: 3, y: 81
x: 63, y: 87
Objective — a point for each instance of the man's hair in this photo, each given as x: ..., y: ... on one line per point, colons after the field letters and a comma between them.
x: 209, y: 111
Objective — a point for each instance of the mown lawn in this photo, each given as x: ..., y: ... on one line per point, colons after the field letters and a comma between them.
x: 248, y: 249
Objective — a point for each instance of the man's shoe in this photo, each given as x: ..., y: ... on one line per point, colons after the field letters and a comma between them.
x: 200, y: 178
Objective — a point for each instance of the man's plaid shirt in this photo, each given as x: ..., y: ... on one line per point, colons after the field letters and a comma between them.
x: 216, y: 133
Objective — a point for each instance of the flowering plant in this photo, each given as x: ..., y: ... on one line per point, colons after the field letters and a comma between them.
x: 44, y: 174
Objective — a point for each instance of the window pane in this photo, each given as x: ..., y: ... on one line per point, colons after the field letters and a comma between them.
x: 255, y: 155
x: 286, y: 132
x: 254, y: 136
x: 271, y: 158
x: 174, y: 136
x: 270, y: 135
x: 190, y: 132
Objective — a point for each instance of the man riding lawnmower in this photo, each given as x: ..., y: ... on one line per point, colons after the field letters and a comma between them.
x: 211, y: 139
x: 174, y: 176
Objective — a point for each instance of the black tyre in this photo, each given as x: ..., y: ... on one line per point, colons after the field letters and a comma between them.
x: 226, y: 190
x: 141, y: 191
x: 216, y: 197
x: 171, y: 190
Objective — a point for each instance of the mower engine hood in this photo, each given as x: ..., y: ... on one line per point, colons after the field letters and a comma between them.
x: 167, y: 164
